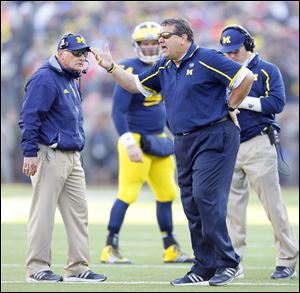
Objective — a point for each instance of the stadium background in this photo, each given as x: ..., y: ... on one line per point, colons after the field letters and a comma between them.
x: 30, y: 31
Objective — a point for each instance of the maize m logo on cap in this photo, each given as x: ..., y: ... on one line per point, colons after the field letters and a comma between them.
x: 80, y: 40
x: 226, y: 40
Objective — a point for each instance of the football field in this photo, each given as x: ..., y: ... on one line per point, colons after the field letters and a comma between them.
x: 140, y: 241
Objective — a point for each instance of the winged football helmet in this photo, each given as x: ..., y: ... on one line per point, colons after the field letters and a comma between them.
x: 146, y: 31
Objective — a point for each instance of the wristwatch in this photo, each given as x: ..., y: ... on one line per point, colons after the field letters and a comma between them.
x: 230, y: 108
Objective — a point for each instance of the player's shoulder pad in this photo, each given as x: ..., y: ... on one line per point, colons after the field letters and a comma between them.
x: 125, y: 63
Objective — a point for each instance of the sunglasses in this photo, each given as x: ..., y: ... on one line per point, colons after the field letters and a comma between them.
x: 78, y: 53
x: 167, y: 35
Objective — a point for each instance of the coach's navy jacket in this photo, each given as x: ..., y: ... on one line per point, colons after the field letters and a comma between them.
x: 195, y: 92
x: 52, y: 113
x: 269, y: 88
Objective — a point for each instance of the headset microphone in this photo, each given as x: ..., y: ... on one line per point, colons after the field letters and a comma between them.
x: 84, y: 71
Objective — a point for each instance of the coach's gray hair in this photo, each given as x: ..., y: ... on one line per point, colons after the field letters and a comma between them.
x: 181, y: 27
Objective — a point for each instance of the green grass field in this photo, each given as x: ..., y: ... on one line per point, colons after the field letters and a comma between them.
x: 139, y: 241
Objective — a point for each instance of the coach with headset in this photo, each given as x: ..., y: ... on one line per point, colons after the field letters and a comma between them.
x: 51, y: 122
x: 257, y: 160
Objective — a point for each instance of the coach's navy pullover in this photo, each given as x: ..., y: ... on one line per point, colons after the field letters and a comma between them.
x: 195, y: 92
x: 134, y: 112
x: 52, y: 112
x: 269, y: 88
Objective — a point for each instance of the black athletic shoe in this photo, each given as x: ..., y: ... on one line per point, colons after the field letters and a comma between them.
x: 224, y: 276
x: 87, y: 276
x: 190, y: 279
x: 44, y: 276
x: 283, y: 273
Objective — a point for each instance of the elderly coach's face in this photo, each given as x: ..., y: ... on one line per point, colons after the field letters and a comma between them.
x: 170, y: 42
x: 73, y: 60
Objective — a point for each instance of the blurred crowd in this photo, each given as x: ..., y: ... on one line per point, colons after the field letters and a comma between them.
x: 30, y: 31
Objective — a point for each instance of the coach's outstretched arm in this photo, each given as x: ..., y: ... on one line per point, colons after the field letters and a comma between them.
x: 124, y: 78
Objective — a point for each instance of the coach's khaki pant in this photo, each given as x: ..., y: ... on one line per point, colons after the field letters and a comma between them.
x: 59, y: 181
x: 257, y: 164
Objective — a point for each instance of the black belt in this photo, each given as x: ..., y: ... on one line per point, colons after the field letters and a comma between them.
x: 202, y: 127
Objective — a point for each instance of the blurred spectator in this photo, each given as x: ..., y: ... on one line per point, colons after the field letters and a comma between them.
x: 9, y: 135
x: 290, y: 150
x: 30, y: 28
x: 100, y: 158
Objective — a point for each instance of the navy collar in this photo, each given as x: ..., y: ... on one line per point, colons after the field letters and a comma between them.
x: 190, y: 52
x: 254, y: 61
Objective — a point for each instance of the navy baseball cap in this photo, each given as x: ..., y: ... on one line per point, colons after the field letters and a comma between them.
x: 73, y: 42
x: 232, y: 40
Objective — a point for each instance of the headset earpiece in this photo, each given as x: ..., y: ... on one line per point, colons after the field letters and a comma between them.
x: 249, y: 41
x: 63, y: 44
